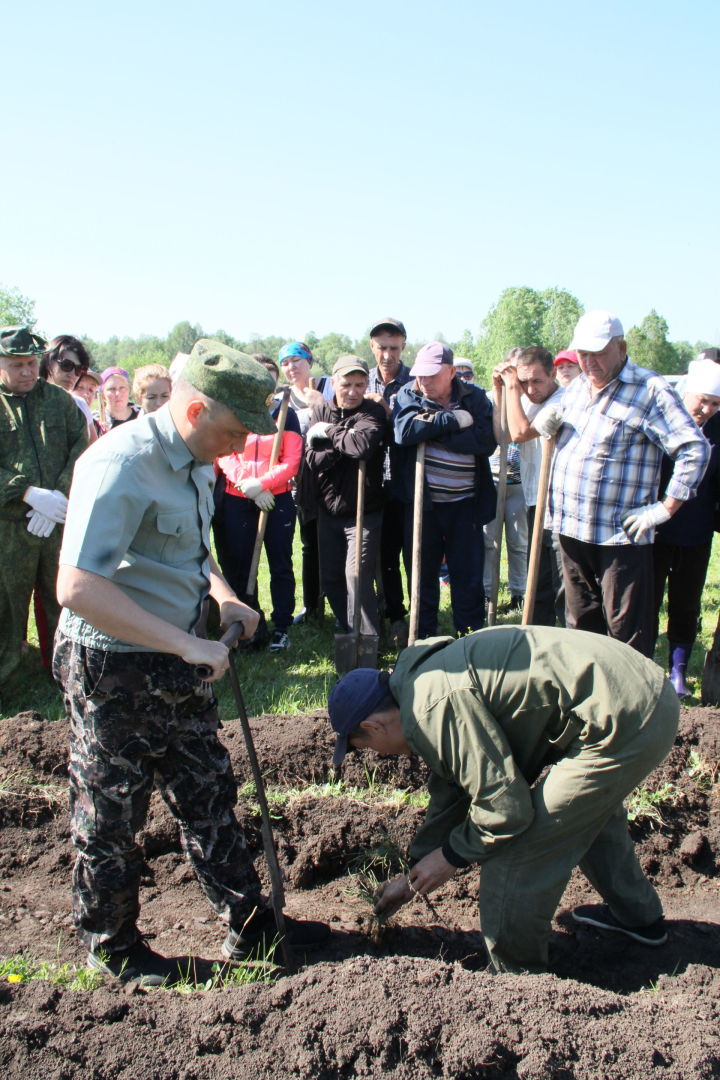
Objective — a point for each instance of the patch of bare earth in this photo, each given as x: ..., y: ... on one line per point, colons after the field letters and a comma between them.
x: 415, y: 1002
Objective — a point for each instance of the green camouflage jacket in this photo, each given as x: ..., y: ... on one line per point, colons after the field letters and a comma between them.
x: 488, y: 712
x: 42, y: 434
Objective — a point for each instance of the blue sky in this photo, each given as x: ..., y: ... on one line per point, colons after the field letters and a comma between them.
x: 294, y: 167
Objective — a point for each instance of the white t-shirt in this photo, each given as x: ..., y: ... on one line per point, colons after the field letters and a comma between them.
x: 531, y: 451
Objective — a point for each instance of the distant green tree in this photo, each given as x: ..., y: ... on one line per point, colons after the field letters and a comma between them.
x: 561, y: 313
x: 119, y: 352
x: 181, y: 338
x: 328, y: 348
x: 16, y: 309
x: 523, y: 317
x: 686, y: 352
x: 649, y: 347
x: 269, y: 345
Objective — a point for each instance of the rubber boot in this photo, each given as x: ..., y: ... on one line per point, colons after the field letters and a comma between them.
x: 679, y: 657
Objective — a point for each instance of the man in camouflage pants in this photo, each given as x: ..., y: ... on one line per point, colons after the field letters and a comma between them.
x: 42, y: 433
x: 135, y: 568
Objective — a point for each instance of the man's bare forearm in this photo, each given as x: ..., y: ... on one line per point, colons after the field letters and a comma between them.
x: 105, y: 606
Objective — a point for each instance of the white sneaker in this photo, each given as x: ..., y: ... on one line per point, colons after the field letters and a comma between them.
x: 279, y: 641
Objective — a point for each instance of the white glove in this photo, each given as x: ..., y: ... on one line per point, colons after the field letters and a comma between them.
x: 642, y: 521
x: 548, y: 421
x: 52, y: 504
x: 251, y: 487
x: 265, y: 500
x: 463, y: 417
x: 39, y: 525
x: 317, y: 432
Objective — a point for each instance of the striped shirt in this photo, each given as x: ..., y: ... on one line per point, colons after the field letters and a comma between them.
x: 609, y: 451
x: 450, y: 477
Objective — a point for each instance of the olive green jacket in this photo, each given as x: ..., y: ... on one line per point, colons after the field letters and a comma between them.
x: 42, y: 434
x: 488, y: 712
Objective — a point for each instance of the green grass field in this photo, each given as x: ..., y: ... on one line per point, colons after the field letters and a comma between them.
x: 298, y: 680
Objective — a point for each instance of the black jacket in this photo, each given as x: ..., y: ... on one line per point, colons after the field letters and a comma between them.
x: 331, y: 464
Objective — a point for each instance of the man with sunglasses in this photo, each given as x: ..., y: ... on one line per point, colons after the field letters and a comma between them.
x: 42, y: 433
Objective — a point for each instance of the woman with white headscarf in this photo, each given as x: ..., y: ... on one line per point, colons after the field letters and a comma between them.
x: 683, y: 544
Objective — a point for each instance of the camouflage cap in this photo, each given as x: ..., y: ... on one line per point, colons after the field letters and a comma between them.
x: 235, y: 380
x: 20, y: 341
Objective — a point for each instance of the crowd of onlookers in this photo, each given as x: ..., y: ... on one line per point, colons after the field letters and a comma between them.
x: 631, y: 505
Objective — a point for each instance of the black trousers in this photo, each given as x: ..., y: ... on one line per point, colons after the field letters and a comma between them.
x: 609, y: 590
x: 550, y: 592
x: 392, y: 548
x: 684, y: 569
x: 337, y: 540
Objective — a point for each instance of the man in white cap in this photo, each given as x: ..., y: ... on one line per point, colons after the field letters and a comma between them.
x: 613, y: 425
x: 682, y: 545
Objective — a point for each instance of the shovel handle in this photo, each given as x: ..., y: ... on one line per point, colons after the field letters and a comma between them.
x: 233, y: 633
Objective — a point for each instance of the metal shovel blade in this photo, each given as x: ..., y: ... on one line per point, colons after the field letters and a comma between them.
x: 354, y: 651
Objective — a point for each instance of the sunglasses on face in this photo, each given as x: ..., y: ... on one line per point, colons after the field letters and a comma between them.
x: 69, y: 365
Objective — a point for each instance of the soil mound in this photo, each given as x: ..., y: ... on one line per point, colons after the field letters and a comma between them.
x: 416, y: 1001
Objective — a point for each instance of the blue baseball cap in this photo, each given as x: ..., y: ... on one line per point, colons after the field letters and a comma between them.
x: 295, y: 348
x: 351, y: 701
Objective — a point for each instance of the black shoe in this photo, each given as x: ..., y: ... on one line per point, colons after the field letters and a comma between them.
x: 259, y: 932
x: 599, y: 915
x: 138, y: 965
x: 279, y: 642
x: 516, y: 604
x: 398, y: 634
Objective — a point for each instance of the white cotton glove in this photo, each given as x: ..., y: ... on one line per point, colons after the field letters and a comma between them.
x: 547, y: 422
x: 39, y: 525
x: 642, y: 521
x: 463, y: 417
x: 317, y: 432
x: 52, y: 504
x: 265, y: 500
x: 251, y: 487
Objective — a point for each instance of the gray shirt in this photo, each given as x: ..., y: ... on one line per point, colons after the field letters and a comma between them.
x: 139, y: 515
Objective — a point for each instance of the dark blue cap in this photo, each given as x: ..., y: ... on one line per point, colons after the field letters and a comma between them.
x: 351, y: 701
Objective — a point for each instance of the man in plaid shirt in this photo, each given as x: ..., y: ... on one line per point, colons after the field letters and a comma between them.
x: 614, y: 424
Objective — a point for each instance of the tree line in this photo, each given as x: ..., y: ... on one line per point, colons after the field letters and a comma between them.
x: 521, y: 316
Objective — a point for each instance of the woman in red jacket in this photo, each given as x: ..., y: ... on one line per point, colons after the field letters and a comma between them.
x: 251, y: 486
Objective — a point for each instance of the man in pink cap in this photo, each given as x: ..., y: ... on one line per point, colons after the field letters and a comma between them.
x: 453, y: 418
x: 613, y: 426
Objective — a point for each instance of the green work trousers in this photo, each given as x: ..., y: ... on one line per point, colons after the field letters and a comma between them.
x: 27, y: 561
x: 580, y: 821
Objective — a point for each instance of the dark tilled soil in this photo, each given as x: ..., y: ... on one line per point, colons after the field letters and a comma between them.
x: 416, y: 1001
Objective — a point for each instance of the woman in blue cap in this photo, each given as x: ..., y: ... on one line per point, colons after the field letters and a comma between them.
x: 295, y: 360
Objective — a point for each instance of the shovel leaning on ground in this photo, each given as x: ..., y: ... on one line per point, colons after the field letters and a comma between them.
x: 499, y: 513
x: 277, y: 895
x: 416, y: 543
x: 356, y: 650
x: 538, y: 531
x: 261, y: 635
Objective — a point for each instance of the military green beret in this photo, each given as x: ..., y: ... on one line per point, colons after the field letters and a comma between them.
x: 235, y: 380
x: 20, y: 341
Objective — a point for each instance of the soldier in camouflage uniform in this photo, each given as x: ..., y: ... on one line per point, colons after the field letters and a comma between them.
x: 135, y: 568
x: 42, y: 433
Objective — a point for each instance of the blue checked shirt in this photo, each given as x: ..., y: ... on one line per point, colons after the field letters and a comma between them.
x: 609, y: 450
